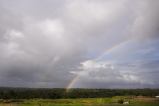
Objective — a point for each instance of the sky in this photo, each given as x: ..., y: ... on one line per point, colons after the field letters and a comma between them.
x: 79, y: 43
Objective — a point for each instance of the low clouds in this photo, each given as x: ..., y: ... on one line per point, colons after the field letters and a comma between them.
x: 47, y: 43
x: 131, y: 65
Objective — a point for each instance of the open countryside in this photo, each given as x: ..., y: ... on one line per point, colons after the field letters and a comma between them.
x: 114, y: 101
x: 78, y: 97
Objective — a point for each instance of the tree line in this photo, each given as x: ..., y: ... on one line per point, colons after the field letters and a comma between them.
x: 57, y: 93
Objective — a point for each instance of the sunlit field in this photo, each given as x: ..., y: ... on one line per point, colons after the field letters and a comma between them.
x: 114, y: 101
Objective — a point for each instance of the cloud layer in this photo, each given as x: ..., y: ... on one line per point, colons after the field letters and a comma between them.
x: 107, y: 43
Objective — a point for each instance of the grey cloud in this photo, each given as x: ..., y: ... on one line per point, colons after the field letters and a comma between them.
x: 41, y: 42
x: 146, y: 22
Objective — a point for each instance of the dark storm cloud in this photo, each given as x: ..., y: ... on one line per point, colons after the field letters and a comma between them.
x: 44, y: 42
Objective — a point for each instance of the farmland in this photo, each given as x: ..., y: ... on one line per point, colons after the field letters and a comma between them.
x: 78, y: 97
x: 110, y: 101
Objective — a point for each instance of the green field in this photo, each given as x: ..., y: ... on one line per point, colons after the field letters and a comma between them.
x: 114, y: 101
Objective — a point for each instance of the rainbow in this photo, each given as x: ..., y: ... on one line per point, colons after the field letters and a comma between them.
x: 72, y: 82
x: 75, y: 79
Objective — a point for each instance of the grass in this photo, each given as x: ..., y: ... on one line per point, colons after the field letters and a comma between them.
x: 134, y: 101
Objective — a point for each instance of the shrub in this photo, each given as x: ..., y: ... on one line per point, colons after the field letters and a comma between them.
x: 120, y: 101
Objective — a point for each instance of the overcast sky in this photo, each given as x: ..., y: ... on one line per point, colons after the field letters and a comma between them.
x: 79, y: 43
